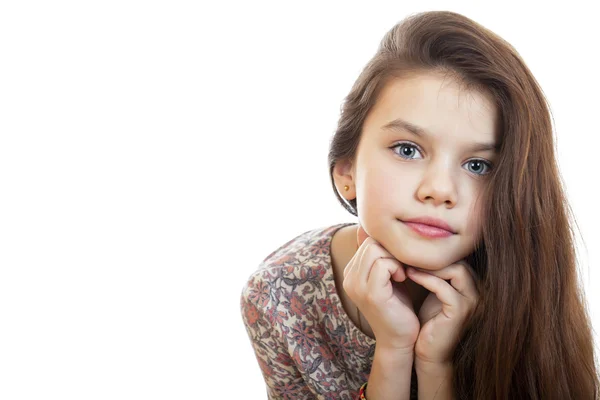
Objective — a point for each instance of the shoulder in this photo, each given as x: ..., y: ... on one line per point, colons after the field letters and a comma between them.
x: 308, y: 245
x: 285, y: 282
x: 310, y: 249
x: 296, y: 321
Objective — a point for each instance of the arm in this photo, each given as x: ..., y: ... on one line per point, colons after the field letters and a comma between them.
x: 390, y: 375
x: 435, y: 381
x: 282, y: 378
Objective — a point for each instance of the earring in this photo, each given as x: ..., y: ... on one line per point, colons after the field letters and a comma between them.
x: 346, y: 187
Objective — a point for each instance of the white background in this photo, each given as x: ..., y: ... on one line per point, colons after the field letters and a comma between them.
x: 153, y: 153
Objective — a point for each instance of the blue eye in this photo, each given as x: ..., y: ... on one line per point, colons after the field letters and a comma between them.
x: 480, y: 167
x: 407, y: 151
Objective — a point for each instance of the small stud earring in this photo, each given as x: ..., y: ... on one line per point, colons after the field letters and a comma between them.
x: 346, y: 187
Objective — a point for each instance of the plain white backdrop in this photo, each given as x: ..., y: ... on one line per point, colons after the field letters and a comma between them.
x: 153, y: 153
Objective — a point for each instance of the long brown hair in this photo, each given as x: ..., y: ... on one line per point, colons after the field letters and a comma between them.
x: 530, y: 336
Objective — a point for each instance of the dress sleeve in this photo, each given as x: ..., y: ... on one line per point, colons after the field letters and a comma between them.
x: 265, y: 325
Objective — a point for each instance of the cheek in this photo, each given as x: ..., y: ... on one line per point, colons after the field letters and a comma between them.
x: 389, y: 184
x: 474, y: 219
x: 379, y: 185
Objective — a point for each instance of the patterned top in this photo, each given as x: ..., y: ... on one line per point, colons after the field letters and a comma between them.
x: 306, y: 345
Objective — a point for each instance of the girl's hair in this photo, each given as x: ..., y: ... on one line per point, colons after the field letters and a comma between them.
x: 530, y: 336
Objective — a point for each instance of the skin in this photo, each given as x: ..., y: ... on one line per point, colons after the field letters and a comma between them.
x: 438, y: 176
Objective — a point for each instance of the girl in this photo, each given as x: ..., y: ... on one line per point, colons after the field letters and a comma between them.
x: 459, y: 279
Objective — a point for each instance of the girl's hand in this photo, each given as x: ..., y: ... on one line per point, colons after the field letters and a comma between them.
x: 444, y: 311
x: 371, y: 280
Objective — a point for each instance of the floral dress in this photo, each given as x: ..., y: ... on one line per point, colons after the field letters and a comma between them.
x: 305, y: 344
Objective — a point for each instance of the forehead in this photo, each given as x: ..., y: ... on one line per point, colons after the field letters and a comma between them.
x: 438, y: 104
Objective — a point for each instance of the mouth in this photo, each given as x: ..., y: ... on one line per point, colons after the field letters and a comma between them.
x: 427, y: 231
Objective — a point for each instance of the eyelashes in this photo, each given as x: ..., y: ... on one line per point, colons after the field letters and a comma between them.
x: 409, y: 146
x: 482, y: 167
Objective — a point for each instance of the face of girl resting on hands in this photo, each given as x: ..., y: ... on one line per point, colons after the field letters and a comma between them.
x: 426, y: 148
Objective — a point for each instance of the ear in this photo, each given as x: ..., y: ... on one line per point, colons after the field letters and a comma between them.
x: 343, y: 174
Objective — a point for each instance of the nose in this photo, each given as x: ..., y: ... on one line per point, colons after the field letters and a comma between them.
x: 438, y: 186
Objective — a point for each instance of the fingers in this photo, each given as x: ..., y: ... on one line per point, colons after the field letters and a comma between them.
x: 378, y: 282
x: 400, y: 274
x: 443, y: 291
x: 355, y: 262
x: 371, y: 253
x: 372, y: 256
x: 455, y: 295
x: 361, y: 235
x: 461, y: 276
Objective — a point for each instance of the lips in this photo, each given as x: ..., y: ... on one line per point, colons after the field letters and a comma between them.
x: 431, y: 222
x: 428, y: 231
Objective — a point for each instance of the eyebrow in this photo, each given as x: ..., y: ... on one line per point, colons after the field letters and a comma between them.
x: 401, y: 125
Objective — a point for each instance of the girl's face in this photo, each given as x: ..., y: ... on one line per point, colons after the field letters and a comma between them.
x: 425, y: 151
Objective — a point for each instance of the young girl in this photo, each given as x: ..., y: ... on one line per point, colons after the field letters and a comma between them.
x: 459, y: 280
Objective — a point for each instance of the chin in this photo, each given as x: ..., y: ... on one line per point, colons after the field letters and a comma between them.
x: 420, y: 262
x: 428, y: 254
